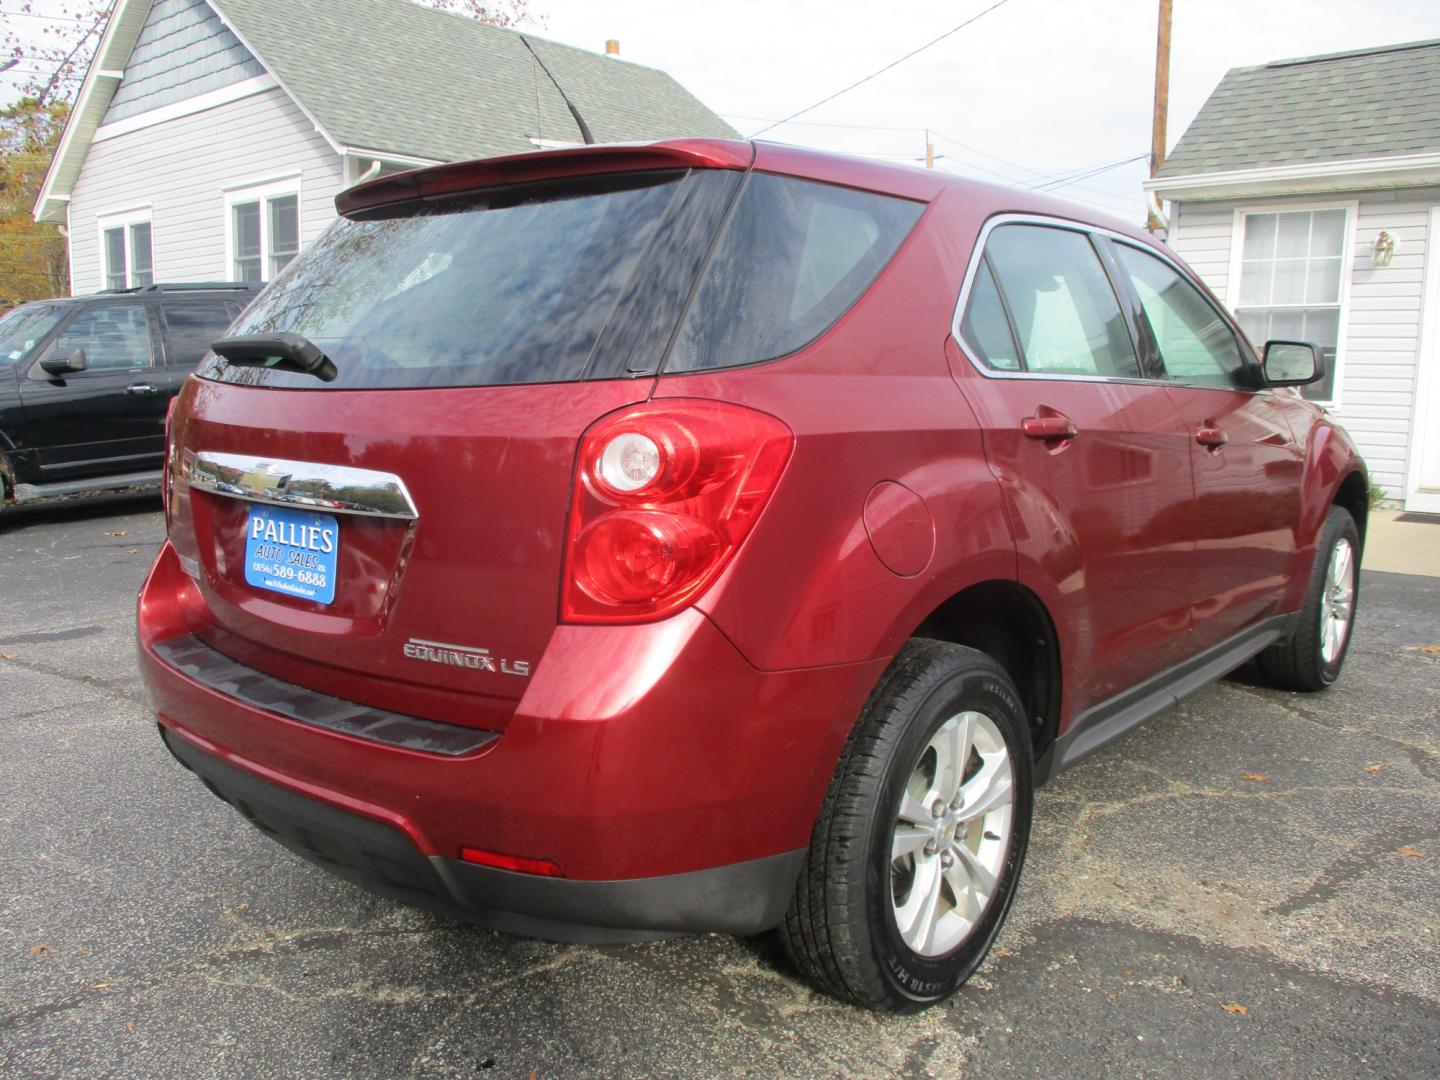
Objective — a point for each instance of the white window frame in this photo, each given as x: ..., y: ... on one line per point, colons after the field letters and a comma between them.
x: 123, y: 219
x: 1347, y: 273
x: 261, y: 191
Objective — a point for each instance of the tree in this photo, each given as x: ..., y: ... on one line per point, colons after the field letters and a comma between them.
x: 52, y: 49
x: 33, y: 261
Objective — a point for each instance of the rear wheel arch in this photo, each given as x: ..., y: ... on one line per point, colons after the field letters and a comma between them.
x: 7, y: 477
x: 1009, y: 623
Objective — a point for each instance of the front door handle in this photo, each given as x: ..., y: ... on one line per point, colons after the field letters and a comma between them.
x: 141, y: 388
x: 1054, y: 426
x: 1211, y: 437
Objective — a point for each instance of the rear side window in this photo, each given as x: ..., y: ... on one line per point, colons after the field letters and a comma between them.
x: 987, y: 325
x: 190, y: 328
x: 1066, y: 317
x: 795, y: 255
x: 1196, y: 343
x: 511, y: 285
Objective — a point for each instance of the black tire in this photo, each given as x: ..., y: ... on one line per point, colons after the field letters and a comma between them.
x: 1298, y: 662
x: 841, y: 930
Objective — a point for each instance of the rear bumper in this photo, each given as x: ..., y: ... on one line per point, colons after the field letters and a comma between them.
x: 744, y: 898
x: 674, y: 785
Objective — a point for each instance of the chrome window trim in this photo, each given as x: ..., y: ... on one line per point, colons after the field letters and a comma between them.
x: 1084, y: 229
x: 264, y: 480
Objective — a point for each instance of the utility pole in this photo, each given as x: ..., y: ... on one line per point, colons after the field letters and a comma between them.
x: 929, y: 151
x: 1162, y: 101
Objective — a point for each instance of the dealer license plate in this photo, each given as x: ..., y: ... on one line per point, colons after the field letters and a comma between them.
x: 292, y: 551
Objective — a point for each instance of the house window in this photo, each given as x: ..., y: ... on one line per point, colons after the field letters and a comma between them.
x: 1292, y: 283
x: 126, y: 251
x: 264, y: 230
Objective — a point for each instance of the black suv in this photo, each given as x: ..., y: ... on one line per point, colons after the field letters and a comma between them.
x: 85, y: 382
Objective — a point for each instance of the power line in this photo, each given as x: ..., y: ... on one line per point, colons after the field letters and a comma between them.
x: 1066, y: 181
x: 887, y: 67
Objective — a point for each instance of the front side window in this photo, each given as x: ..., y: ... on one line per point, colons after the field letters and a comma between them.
x: 1065, y: 316
x: 264, y: 231
x: 1291, y: 282
x: 126, y: 251
x: 1196, y: 343
x: 115, y: 338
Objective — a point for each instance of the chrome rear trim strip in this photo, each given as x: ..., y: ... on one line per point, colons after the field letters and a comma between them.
x: 337, y: 489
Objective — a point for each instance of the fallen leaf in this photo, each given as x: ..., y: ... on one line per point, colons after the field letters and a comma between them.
x: 1410, y: 852
x: 1113, y: 996
x: 133, y: 551
x: 8, y: 655
x: 1431, y: 649
x: 129, y: 1025
x: 1238, y: 1010
x: 1258, y: 777
x: 117, y: 532
x: 98, y: 986
x: 1375, y: 766
x: 39, y: 950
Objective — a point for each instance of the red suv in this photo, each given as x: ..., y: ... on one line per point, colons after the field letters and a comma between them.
x: 630, y: 540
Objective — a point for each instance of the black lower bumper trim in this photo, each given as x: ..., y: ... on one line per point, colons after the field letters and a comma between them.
x: 742, y: 898
x: 192, y: 657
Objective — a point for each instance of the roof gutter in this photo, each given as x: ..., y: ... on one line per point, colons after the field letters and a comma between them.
x: 1404, y: 170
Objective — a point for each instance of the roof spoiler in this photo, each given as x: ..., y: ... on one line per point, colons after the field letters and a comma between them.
x: 463, y: 176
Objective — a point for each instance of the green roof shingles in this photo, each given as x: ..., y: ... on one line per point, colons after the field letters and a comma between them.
x: 392, y: 76
x: 1366, y: 104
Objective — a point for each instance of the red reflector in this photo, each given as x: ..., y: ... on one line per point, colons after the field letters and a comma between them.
x: 518, y: 863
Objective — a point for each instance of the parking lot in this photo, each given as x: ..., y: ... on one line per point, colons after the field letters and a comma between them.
x: 1248, y: 886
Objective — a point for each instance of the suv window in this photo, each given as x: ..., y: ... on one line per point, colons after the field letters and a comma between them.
x: 1064, y: 310
x: 509, y: 285
x: 795, y: 256
x: 190, y: 328
x: 22, y: 329
x: 1196, y: 343
x: 115, y: 337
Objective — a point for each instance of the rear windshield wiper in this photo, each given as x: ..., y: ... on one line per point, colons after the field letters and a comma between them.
x: 282, y: 351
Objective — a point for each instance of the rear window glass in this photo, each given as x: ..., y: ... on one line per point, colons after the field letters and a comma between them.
x: 513, y: 285
x: 794, y: 257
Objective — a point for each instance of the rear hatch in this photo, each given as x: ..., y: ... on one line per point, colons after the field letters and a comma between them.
x: 394, y: 534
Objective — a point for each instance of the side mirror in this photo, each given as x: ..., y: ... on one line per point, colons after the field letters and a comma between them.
x: 1292, y: 363
x: 60, y: 366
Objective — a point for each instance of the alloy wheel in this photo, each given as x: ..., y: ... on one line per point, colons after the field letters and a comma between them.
x: 951, y: 835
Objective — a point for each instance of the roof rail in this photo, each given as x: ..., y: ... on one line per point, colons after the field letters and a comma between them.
x: 187, y: 286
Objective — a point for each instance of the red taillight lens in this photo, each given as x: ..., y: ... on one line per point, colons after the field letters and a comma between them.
x: 665, y: 494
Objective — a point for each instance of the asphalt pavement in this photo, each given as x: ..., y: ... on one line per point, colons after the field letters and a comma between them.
x: 1247, y: 886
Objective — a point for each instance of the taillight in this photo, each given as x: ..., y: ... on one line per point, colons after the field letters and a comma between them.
x: 665, y: 493
x: 167, y: 463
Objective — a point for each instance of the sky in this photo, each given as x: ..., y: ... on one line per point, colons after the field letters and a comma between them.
x: 1032, y: 92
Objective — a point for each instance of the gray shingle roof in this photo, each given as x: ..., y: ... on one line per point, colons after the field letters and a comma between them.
x: 390, y: 75
x: 1367, y: 104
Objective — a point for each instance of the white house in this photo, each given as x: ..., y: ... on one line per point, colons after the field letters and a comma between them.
x: 210, y: 137
x: 1307, y: 194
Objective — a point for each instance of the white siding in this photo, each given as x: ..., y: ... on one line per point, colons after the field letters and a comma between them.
x: 181, y: 168
x: 1378, y: 361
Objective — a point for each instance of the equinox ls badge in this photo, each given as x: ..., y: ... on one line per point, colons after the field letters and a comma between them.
x: 437, y: 652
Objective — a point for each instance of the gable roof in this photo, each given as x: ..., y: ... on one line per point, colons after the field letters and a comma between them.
x: 1363, y: 105
x: 390, y: 77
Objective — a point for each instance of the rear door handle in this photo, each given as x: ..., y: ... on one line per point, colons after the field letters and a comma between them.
x: 141, y: 388
x: 1048, y: 427
x: 1212, y: 437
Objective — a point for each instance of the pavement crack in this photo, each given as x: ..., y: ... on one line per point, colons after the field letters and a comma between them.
x: 1362, y: 858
